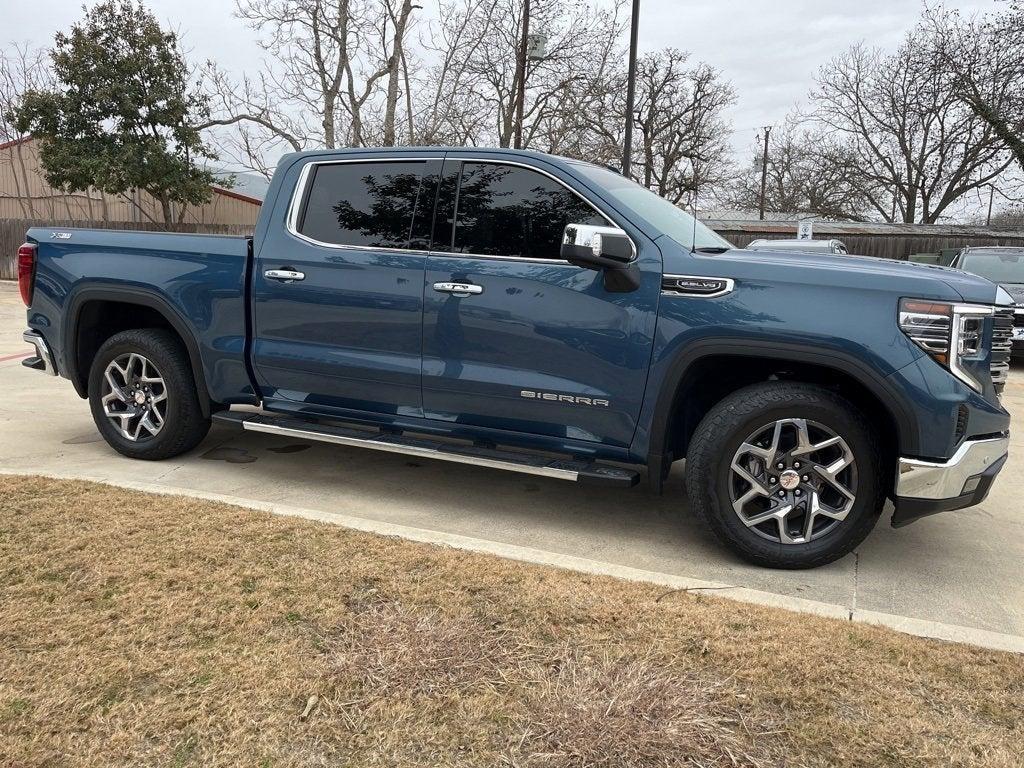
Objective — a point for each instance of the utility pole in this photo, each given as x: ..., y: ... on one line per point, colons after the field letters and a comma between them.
x: 764, y: 169
x: 991, y: 197
x: 521, y: 76
x: 627, y: 144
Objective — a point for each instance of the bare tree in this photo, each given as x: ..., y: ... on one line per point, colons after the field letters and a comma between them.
x: 22, y: 69
x: 808, y: 172
x: 682, y: 135
x: 333, y: 77
x: 476, y: 79
x: 575, y: 95
x: 982, y: 59
x: 337, y: 75
x: 400, y: 19
x: 911, y: 136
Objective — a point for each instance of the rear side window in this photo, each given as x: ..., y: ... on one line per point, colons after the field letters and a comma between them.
x: 363, y: 204
x: 505, y: 210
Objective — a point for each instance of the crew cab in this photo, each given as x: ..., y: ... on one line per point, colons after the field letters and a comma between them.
x: 525, y: 312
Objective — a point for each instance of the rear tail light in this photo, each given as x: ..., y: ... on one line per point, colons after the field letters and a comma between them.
x: 26, y: 271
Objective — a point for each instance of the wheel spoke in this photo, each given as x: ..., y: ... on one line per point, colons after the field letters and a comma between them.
x: 784, y: 536
x: 115, y: 389
x: 778, y: 512
x: 146, y: 422
x: 831, y: 472
x: 813, y: 508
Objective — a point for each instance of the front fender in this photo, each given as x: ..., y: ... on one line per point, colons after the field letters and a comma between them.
x: 652, y: 435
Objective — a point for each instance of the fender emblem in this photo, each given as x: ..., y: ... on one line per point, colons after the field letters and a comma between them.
x: 692, y: 285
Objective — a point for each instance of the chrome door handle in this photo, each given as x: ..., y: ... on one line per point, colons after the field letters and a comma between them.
x: 284, y: 274
x: 459, y: 289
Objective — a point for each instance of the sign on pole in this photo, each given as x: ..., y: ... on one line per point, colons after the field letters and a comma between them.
x: 806, y: 230
x: 536, y: 46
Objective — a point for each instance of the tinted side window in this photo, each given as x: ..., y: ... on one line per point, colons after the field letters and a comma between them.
x: 505, y: 210
x: 368, y: 204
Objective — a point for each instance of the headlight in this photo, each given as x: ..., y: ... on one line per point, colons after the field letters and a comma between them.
x: 951, y: 333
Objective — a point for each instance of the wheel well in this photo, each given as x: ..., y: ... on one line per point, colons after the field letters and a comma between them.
x: 694, y: 397
x: 99, y: 319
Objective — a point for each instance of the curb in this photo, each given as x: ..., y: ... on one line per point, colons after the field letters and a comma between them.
x: 907, y: 625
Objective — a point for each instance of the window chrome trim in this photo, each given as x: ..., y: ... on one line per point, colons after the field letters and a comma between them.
x: 299, y: 193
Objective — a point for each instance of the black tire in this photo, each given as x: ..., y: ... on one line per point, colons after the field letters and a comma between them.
x: 725, y: 428
x: 184, y: 426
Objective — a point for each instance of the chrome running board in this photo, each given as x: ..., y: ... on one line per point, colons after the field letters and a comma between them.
x: 524, y: 462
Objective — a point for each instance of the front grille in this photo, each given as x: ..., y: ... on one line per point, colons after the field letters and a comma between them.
x: 1002, y: 346
x: 1018, y: 318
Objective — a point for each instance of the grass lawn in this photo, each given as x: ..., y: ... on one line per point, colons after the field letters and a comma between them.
x: 150, y: 630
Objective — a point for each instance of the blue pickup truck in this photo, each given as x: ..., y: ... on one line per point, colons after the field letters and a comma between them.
x: 532, y: 313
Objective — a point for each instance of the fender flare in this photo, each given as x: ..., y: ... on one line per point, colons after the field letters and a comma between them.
x: 892, y: 400
x: 133, y: 295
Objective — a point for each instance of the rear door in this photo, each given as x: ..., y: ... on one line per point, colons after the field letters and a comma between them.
x: 536, y: 345
x: 338, y: 289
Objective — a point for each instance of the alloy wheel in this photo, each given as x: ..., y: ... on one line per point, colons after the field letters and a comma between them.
x: 134, y: 397
x: 793, y: 481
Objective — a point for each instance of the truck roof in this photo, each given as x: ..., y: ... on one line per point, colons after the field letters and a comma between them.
x: 400, y: 151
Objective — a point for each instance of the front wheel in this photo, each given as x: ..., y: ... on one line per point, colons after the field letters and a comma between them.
x: 785, y: 474
x: 143, y: 397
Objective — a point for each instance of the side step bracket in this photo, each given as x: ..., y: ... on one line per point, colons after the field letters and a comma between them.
x: 430, y: 448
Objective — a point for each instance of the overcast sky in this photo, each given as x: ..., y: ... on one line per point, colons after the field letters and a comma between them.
x: 768, y: 50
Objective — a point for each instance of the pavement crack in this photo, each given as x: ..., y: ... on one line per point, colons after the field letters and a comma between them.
x: 856, y: 583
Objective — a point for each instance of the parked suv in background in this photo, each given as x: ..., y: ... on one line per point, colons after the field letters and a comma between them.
x: 520, y: 311
x: 1004, y: 266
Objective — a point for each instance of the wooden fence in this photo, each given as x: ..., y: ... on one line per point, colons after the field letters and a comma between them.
x: 12, y: 234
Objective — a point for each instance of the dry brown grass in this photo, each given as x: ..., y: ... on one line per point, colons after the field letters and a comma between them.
x: 151, y: 630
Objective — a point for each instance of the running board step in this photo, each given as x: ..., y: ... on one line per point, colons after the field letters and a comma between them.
x: 429, y: 448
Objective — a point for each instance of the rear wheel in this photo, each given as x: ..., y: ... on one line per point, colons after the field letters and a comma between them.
x: 785, y: 474
x: 143, y: 397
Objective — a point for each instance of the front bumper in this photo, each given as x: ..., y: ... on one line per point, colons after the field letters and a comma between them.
x: 926, y: 487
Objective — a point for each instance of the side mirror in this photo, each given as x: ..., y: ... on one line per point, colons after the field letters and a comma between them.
x: 606, y: 249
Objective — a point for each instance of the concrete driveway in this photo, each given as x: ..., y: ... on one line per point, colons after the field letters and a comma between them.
x: 956, y: 575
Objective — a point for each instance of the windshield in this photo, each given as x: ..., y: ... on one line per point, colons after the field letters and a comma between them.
x: 666, y: 217
x: 995, y: 266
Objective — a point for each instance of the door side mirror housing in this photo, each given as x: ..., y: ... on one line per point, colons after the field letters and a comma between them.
x: 605, y: 249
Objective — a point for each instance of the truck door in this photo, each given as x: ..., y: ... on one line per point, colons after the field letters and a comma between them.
x: 514, y: 337
x: 338, y: 289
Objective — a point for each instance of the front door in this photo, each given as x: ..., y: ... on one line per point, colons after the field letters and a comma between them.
x: 516, y: 338
x: 338, y: 291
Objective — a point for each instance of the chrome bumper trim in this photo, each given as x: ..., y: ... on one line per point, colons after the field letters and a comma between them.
x: 35, y: 338
x: 945, y: 480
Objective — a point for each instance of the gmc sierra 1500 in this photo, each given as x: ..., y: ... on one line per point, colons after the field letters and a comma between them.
x: 532, y: 313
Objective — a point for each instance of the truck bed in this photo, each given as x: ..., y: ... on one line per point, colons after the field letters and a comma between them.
x: 198, y: 281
